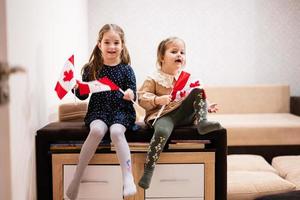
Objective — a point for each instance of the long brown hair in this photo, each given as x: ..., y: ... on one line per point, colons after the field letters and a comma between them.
x: 96, y: 60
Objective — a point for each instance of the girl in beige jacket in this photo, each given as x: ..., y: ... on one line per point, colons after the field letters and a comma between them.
x: 183, y: 108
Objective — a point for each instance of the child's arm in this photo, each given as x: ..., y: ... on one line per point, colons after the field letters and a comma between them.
x: 147, y: 96
x: 163, y: 100
x: 130, y: 85
x: 85, y: 78
x: 75, y: 91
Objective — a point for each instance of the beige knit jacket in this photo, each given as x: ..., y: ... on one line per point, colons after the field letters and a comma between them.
x: 146, y: 95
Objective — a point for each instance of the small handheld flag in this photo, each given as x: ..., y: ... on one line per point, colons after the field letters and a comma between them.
x: 100, y: 85
x: 66, y: 80
x: 179, y: 85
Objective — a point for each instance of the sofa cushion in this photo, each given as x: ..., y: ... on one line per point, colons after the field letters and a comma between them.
x: 288, y: 168
x: 247, y: 185
x: 75, y: 112
x: 260, y: 129
x: 72, y: 111
x: 250, y: 99
x: 246, y: 162
x: 294, y: 195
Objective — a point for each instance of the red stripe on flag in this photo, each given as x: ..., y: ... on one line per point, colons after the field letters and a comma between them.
x: 61, y: 92
x: 83, y: 88
x: 71, y: 59
x: 109, y: 83
x: 180, y: 83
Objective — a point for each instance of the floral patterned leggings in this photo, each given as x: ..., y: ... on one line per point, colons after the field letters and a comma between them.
x: 184, y: 115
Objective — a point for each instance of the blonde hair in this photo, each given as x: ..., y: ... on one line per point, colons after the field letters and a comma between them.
x: 96, y: 60
x: 162, y: 47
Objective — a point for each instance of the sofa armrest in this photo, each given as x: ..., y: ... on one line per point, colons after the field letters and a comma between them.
x: 295, y: 105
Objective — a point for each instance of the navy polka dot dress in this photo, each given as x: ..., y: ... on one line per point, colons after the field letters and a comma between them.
x: 109, y: 106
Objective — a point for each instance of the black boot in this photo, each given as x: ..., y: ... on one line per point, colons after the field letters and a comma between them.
x: 155, y: 148
x: 203, y: 125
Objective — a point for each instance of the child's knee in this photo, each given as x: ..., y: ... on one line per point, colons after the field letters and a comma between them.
x: 117, y: 136
x: 117, y: 133
x: 97, y: 132
x: 162, y: 131
x: 197, y: 91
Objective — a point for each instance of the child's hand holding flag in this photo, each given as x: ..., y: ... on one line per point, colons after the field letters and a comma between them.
x: 128, y: 95
x: 101, y: 85
x: 179, y: 85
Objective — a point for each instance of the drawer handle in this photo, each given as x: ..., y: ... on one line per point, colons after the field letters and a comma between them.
x: 174, y: 180
x: 94, y: 181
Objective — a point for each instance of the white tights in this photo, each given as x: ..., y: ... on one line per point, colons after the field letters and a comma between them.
x: 97, y: 130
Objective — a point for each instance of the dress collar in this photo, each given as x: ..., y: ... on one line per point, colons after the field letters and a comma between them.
x: 164, y: 79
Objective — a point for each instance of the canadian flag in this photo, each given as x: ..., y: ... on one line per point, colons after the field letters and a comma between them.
x: 187, y: 89
x: 66, y: 80
x: 180, y: 83
x: 100, y: 85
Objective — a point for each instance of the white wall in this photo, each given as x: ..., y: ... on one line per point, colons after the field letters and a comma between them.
x: 228, y: 42
x: 41, y: 36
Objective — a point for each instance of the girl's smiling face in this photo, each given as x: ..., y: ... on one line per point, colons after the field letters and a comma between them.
x: 111, y: 48
x: 174, y: 57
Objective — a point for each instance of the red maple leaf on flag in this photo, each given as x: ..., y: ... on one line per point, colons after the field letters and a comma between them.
x: 68, y: 75
x: 195, y: 84
x: 182, y: 93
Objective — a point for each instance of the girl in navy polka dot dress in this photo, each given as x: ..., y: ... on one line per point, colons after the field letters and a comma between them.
x: 110, y: 109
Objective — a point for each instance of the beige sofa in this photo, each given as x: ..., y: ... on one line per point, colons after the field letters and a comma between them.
x: 259, y: 121
x: 256, y: 115
x: 251, y: 176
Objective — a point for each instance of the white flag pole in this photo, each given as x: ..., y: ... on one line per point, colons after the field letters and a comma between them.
x: 159, y: 112
x: 74, y: 89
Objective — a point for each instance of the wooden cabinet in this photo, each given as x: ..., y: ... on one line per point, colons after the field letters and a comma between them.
x: 50, y: 164
x: 98, y: 182
x: 184, y: 175
x: 177, y: 181
x: 102, y: 179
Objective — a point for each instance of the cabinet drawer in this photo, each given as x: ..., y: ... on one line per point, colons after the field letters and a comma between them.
x: 188, y: 198
x: 101, y: 182
x: 177, y: 180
